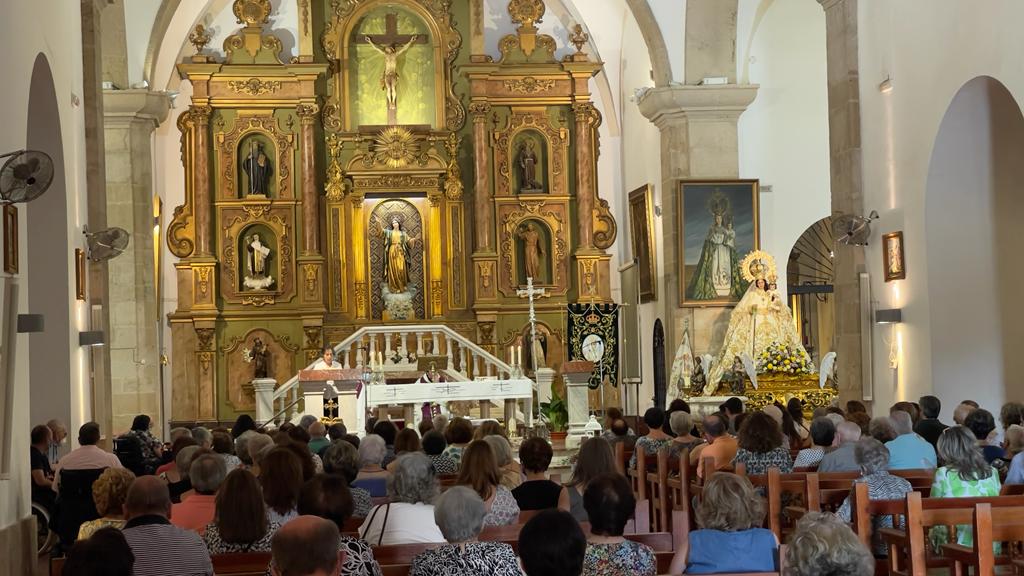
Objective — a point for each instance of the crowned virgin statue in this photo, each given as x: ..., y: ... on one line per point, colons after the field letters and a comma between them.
x: 759, y: 320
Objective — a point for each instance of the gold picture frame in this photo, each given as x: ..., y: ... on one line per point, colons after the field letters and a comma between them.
x: 893, y: 258
x: 641, y: 228
x: 10, y: 239
x: 707, y: 209
x: 79, y: 274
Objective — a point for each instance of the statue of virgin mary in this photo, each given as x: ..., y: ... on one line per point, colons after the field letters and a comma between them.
x: 718, y: 273
x: 759, y: 320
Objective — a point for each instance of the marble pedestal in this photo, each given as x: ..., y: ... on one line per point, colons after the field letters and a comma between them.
x: 263, y: 389
x: 577, y: 379
x: 545, y: 376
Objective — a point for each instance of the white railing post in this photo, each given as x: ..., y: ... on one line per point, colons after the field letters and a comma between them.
x: 264, y: 391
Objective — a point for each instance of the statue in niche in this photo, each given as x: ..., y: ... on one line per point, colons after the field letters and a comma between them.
x: 533, y: 249
x: 527, y: 161
x: 389, y: 79
x: 396, y: 289
x: 258, y: 277
x: 257, y: 356
x: 258, y: 170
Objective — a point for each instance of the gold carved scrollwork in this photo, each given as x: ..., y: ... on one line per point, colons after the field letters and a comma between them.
x: 284, y: 144
x: 480, y: 110
x: 397, y: 147
x: 589, y: 276
x: 528, y: 85
x: 256, y: 210
x: 252, y: 13
x: 307, y: 112
x: 453, y: 174
x: 257, y: 300
x: 205, y: 359
x: 605, y: 228
x: 313, y: 335
x: 486, y: 332
x: 181, y: 230
x: 526, y: 12
x: 235, y: 222
x: 335, y: 175
x: 399, y: 181
x: 360, y: 299
x: 310, y: 271
x: 486, y: 273
x: 204, y: 338
x: 437, y: 296
x: 203, y: 274
x: 330, y: 116
x: 254, y: 86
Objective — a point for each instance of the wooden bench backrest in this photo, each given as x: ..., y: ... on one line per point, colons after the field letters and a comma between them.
x: 247, y: 563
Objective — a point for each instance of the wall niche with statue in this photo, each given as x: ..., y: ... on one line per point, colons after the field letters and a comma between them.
x: 256, y: 158
x: 530, y: 163
x: 533, y: 252
x: 259, y: 259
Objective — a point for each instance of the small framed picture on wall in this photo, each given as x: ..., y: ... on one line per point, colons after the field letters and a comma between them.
x: 892, y: 251
x: 10, y: 239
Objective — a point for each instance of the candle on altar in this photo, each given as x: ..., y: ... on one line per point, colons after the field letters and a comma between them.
x: 512, y: 355
x: 519, y: 356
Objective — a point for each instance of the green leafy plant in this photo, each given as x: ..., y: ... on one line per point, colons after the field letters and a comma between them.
x: 556, y: 412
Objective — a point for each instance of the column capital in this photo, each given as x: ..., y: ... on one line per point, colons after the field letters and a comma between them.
x: 830, y: 4
x: 664, y: 104
x: 136, y: 105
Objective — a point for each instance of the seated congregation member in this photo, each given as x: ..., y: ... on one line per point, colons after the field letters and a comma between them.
x: 981, y: 423
x: 732, y: 408
x: 965, y: 474
x: 207, y: 472
x: 459, y: 434
x: 109, y: 492
x: 823, y: 545
x: 318, y: 437
x: 88, y: 456
x: 407, y: 440
x: 160, y: 548
x: 224, y: 445
x: 962, y: 410
x: 620, y: 432
x: 795, y: 409
x: 434, y: 446
x: 843, y: 458
x: 387, y: 430
x: 908, y: 451
x: 281, y: 480
x: 203, y: 436
x: 552, y: 544
x: 611, y: 415
x: 537, y: 492
x: 720, y: 445
x: 762, y: 446
x: 1011, y: 413
x: 488, y: 428
x: 328, y: 497
x: 480, y: 472
x: 930, y: 427
x: 823, y: 434
x: 654, y: 440
x: 105, y: 553
x: 790, y: 436
x: 250, y: 439
x: 682, y: 424
x: 873, y: 458
x: 408, y: 517
x: 880, y: 428
x: 372, y: 451
x: 42, y: 472
x: 730, y: 538
x: 593, y: 459
x: 863, y: 420
x: 610, y: 504
x: 1014, y: 441
x: 511, y: 471
x: 308, y: 546
x: 152, y: 448
x: 177, y: 479
x: 341, y: 458
x: 240, y: 523
x: 459, y: 513
x: 244, y: 423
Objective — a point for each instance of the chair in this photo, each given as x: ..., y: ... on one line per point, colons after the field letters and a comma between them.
x: 74, y: 504
x: 128, y: 450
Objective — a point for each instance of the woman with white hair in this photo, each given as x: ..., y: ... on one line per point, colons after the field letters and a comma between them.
x: 372, y: 450
x: 873, y: 458
x: 682, y: 423
x: 459, y: 514
x: 823, y: 545
x: 408, y: 518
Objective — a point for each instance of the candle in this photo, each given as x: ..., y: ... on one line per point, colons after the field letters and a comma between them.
x: 512, y: 355
x: 520, y: 356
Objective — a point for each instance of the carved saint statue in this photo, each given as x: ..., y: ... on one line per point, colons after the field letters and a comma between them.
x: 533, y: 249
x: 527, y: 160
x: 396, y: 256
x: 389, y: 79
x: 259, y: 358
x: 258, y: 278
x: 257, y: 170
x: 698, y: 379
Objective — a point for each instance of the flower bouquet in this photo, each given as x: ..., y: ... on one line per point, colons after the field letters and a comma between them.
x: 780, y: 359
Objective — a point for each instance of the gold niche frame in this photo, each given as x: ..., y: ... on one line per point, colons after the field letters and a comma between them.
x: 556, y: 140
x: 232, y: 219
x: 255, y: 122
x: 641, y: 227
x: 512, y: 212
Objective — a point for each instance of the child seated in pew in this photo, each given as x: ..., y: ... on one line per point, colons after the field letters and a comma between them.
x: 730, y: 538
x: 873, y: 458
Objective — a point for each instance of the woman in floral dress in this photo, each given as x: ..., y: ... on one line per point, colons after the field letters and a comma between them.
x: 966, y: 474
x: 610, y: 503
x: 656, y: 439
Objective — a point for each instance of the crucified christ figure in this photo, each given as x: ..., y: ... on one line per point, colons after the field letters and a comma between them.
x: 389, y: 80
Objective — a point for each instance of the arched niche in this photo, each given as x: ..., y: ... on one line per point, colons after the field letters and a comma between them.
x: 973, y: 209
x: 530, y: 145
x: 391, y: 25
x: 411, y: 222
x: 258, y: 241
x: 524, y: 241
x: 257, y: 148
x: 810, y: 283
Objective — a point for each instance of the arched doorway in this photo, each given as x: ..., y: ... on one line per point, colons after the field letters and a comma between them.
x: 47, y: 280
x: 659, y: 364
x: 973, y: 209
x: 810, y: 282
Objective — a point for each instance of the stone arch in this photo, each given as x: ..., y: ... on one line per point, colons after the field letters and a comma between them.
x: 655, y: 41
x: 48, y: 282
x: 973, y: 207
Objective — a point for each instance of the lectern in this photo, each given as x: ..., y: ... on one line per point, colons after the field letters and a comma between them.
x: 348, y: 383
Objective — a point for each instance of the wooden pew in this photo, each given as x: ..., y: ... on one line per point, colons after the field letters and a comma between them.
x: 908, y: 548
x: 659, y: 493
x: 241, y: 564
x: 622, y: 457
x: 990, y: 525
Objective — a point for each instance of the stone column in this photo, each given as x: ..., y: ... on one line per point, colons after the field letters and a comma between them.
x: 484, y: 221
x: 130, y: 116
x: 586, y: 116
x: 847, y: 188
x: 201, y: 179
x: 310, y: 198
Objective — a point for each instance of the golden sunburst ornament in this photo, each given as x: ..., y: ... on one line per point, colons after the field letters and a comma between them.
x: 395, y: 147
x: 758, y: 265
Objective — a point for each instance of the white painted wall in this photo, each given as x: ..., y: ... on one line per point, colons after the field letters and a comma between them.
x: 930, y: 49
x: 27, y: 28
x: 139, y: 15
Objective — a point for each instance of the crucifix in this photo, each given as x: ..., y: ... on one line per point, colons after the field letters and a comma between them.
x: 391, y: 45
x: 530, y: 292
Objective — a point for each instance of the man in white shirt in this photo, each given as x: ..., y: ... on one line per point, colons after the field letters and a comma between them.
x: 88, y: 456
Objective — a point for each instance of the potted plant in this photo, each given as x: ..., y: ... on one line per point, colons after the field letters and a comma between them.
x: 557, y: 414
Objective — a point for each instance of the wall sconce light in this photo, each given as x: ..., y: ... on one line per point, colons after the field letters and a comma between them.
x: 889, y: 316
x: 30, y: 323
x: 91, y: 338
